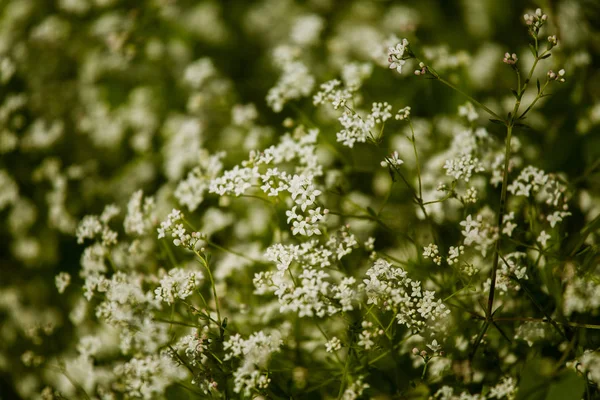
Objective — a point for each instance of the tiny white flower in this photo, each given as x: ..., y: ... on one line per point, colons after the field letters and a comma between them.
x: 543, y: 238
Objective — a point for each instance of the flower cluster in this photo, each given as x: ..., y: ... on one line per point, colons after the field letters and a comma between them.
x: 557, y: 76
x: 463, y: 167
x: 295, y: 81
x: 396, y: 56
x: 177, y: 284
x: 510, y: 59
x: 479, y: 232
x: 391, y: 289
x: 535, y: 21
x: 320, y: 234
x: 254, y: 353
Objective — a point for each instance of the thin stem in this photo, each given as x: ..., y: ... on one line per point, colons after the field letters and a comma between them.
x: 385, y: 200
x: 490, y: 305
x: 547, y: 321
x: 401, y: 175
x: 522, y: 90
x: 457, y: 292
x: 539, y: 307
x: 214, y: 290
x: 378, y: 322
x: 78, y: 388
x: 253, y: 196
x: 377, y: 220
x: 392, y: 258
x: 500, y: 221
x: 446, y: 197
x: 471, y: 99
x: 539, y: 96
x: 482, y: 332
x: 172, y: 322
x: 416, y: 159
x: 228, y: 250
x: 424, y: 370
x: 417, y: 199
x: 379, y: 357
x: 327, y: 338
x: 342, y: 383
x: 169, y: 252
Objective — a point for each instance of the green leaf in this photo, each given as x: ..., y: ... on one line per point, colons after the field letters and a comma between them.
x: 569, y: 386
x: 514, y: 92
x: 496, y: 121
x: 546, y: 56
x: 371, y: 212
x: 538, y: 85
x: 534, y: 380
x: 577, y: 240
x: 551, y: 281
x: 522, y: 126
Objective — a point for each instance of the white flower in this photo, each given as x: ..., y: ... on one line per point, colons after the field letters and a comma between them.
x: 434, y: 346
x: 333, y: 344
x: 381, y: 112
x: 139, y: 216
x: 510, y: 59
x: 390, y: 289
x: 468, y: 111
x: 553, y: 76
x: 463, y: 167
x: 392, y: 160
x: 303, y: 191
x: 543, y: 238
x: 332, y: 93
x: 509, y: 225
x: 62, y: 280
x: 470, y: 195
x: 454, y: 253
x: 536, y: 20
x: 306, y: 29
x: 148, y: 376
x: 505, y: 389
x: 354, y: 73
x: 198, y: 72
x: 556, y: 217
x: 178, y: 283
x: 432, y: 251
x: 254, y: 354
x: 190, y: 191
x: 403, y: 114
x: 295, y: 81
x: 396, y: 54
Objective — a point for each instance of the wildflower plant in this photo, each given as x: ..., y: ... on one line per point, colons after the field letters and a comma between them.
x: 298, y: 211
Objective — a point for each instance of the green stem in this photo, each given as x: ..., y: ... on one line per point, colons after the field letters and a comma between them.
x: 482, y: 332
x: 416, y: 159
x: 342, y: 383
x: 424, y: 371
x: 214, y: 290
x: 446, y: 197
x: 327, y: 338
x: 228, y: 250
x: 471, y: 99
x: 172, y: 322
x: 500, y: 221
x: 539, y: 96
